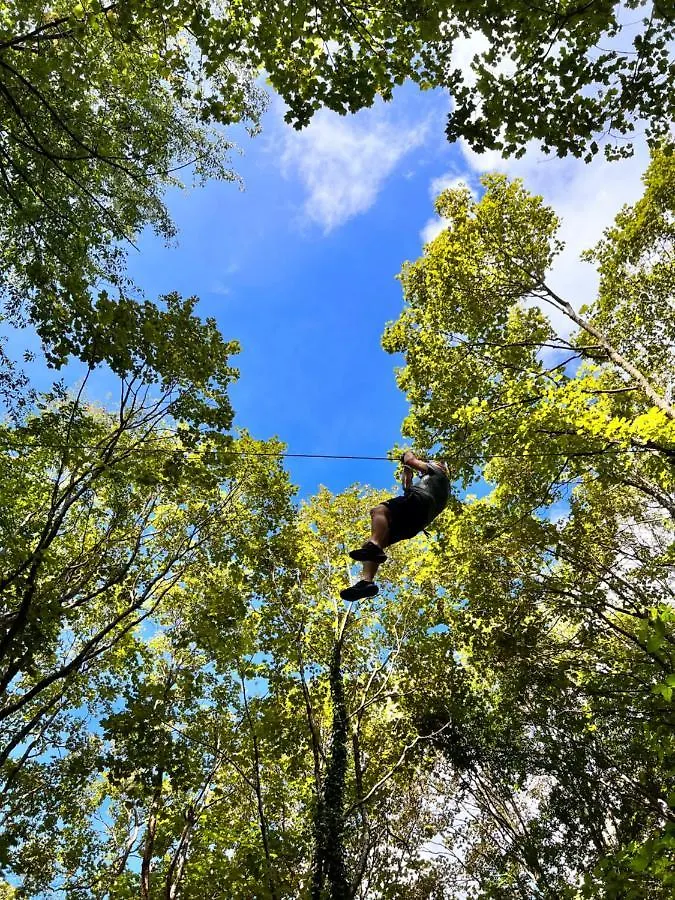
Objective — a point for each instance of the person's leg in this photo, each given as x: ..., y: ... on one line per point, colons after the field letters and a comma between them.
x: 379, y: 534
x: 379, y: 526
x: 369, y: 570
x: 380, y: 531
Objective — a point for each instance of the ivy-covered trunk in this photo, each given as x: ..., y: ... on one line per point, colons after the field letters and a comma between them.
x: 329, y: 863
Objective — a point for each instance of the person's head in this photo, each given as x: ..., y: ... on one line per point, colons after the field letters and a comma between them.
x: 443, y: 466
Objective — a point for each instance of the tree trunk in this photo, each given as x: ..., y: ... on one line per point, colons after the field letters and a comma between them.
x: 617, y: 358
x: 329, y: 861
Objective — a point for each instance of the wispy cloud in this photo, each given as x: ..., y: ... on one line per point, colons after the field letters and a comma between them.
x: 586, y: 196
x: 342, y: 162
x: 219, y: 288
x: 448, y: 181
x: 219, y: 284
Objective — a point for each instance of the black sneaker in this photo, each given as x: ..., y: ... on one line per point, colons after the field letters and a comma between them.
x: 359, y: 590
x: 370, y: 552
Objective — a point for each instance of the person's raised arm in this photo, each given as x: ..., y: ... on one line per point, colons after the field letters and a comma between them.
x: 410, y: 461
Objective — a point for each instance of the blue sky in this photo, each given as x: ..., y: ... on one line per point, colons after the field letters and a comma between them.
x: 300, y: 266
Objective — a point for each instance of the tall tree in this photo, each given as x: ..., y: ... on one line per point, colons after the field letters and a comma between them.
x: 558, y: 581
x: 107, y: 517
x: 338, y: 670
x: 102, y: 106
x: 229, y: 754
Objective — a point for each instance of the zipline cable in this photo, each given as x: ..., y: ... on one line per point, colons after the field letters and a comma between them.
x: 338, y: 456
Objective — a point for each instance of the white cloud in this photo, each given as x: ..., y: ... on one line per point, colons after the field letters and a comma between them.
x: 432, y: 229
x: 464, y: 50
x: 449, y: 181
x: 343, y: 162
x: 218, y: 287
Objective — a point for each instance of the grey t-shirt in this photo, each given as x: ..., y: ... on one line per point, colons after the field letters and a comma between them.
x: 433, y: 488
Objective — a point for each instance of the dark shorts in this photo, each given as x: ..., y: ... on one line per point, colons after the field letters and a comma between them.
x: 408, y: 515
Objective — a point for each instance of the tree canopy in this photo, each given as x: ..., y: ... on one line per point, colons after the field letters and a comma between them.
x: 558, y: 581
x: 104, y: 105
x: 102, y: 109
x: 187, y: 709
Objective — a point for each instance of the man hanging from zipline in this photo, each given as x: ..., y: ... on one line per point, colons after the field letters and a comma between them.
x: 400, y: 518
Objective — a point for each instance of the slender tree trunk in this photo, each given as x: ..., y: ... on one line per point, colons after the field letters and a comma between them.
x: 257, y: 784
x: 617, y: 358
x: 315, y: 738
x: 360, y: 869
x: 329, y: 861
x: 149, y: 844
x: 174, y: 874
